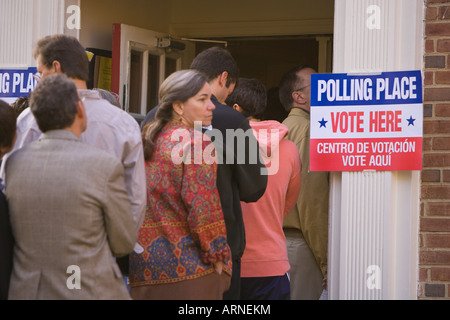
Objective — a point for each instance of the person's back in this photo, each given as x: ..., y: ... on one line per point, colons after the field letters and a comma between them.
x: 6, y: 247
x: 7, y: 136
x: 237, y: 181
x: 110, y: 129
x: 265, y: 253
x: 69, y: 207
x: 306, y: 226
x: 57, y: 203
x: 265, y: 260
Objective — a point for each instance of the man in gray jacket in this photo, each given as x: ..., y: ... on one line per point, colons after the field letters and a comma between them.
x: 69, y: 206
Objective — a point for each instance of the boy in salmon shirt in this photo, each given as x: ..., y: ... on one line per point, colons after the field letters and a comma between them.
x: 265, y: 261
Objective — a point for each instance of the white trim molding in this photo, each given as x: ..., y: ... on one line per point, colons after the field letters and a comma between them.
x: 373, y: 231
x: 252, y: 28
x: 22, y: 23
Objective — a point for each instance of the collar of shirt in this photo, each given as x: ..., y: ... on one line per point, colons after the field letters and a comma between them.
x: 300, y: 112
x: 89, y: 94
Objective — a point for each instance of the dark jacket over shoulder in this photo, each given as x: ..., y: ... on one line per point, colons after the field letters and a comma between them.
x: 237, y: 180
x: 6, y: 248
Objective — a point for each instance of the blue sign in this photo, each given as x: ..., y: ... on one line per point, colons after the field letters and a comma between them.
x: 17, y: 83
x: 343, y: 89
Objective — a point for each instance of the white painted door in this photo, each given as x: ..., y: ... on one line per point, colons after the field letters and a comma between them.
x: 141, y: 60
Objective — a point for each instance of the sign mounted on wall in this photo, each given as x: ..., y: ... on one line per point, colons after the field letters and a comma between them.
x: 16, y: 83
x: 366, y: 122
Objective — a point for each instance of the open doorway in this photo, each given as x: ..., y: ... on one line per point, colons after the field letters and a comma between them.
x: 264, y: 58
x: 267, y: 59
x: 265, y: 43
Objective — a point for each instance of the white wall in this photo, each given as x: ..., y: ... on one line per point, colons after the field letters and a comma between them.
x: 251, y: 17
x: 203, y: 18
x: 98, y: 16
x: 22, y: 23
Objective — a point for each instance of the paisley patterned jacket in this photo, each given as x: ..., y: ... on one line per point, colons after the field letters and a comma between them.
x: 184, y: 231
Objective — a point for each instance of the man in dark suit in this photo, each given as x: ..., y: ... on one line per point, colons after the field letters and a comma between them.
x: 238, y: 177
x: 7, y: 137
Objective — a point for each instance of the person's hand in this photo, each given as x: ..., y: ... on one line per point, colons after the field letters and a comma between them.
x: 218, y: 266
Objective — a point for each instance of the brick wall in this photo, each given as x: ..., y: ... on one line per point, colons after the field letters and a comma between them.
x: 434, y: 255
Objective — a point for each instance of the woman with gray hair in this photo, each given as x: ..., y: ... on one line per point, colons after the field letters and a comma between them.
x: 182, y: 250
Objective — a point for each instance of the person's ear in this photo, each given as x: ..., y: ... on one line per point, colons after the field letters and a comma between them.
x: 299, y: 97
x: 237, y: 107
x: 57, y: 66
x: 178, y: 108
x: 223, y: 78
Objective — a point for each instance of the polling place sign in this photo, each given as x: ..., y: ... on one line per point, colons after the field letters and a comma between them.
x: 366, y: 122
x: 16, y: 83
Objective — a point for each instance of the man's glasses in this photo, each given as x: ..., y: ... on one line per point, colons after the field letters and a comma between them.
x: 302, y: 88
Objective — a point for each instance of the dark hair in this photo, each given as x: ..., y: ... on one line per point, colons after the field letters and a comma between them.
x: 214, y: 61
x: 20, y: 104
x: 67, y: 51
x: 54, y: 102
x: 251, y: 96
x: 178, y: 87
x: 288, y: 83
x: 7, y: 124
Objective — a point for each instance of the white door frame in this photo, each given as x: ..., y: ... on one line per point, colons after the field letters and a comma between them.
x: 147, y: 42
x: 374, y: 216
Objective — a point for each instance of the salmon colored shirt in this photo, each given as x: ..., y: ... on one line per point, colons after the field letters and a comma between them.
x: 266, y: 253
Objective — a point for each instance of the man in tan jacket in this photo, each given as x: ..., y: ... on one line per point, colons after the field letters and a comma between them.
x: 306, y: 226
x: 69, y: 207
